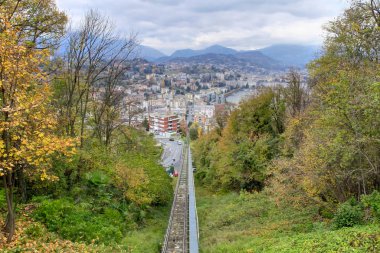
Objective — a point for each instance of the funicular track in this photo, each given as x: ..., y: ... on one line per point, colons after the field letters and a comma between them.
x: 176, y: 238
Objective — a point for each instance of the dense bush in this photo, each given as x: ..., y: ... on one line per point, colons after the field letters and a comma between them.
x: 112, y: 193
x: 348, y: 214
x: 372, y: 202
x: 77, y: 223
x: 97, y: 178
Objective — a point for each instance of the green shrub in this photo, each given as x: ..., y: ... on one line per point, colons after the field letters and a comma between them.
x: 372, y: 202
x: 39, y: 199
x: 97, y: 177
x: 77, y: 222
x: 326, y: 212
x: 349, y: 214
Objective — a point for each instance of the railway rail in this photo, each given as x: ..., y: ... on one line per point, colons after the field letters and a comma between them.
x: 177, y: 236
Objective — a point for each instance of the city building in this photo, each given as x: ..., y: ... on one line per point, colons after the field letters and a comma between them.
x: 163, y: 124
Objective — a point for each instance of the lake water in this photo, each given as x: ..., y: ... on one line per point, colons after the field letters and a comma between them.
x: 237, y: 97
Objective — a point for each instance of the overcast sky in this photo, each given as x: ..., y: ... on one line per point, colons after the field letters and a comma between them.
x: 169, y: 25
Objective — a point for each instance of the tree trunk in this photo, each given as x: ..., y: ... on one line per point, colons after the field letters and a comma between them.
x: 10, y: 221
x: 83, y: 121
x: 22, y: 184
x: 83, y: 116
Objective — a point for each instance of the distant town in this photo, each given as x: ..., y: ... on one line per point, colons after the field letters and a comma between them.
x: 157, y: 95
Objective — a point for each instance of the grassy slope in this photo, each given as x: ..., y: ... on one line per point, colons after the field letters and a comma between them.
x: 253, y: 223
x: 151, y: 237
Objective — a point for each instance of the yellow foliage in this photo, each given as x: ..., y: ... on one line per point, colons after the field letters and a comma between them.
x: 28, y: 122
x: 134, y: 183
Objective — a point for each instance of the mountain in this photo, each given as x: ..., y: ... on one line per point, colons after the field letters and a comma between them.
x: 141, y: 51
x: 184, y: 53
x: 215, y: 49
x: 259, y: 58
x: 219, y: 55
x: 272, y: 57
x: 292, y: 55
x: 249, y: 60
x: 148, y: 53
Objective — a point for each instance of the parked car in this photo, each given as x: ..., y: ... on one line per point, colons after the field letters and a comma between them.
x: 179, y: 143
x: 171, y: 139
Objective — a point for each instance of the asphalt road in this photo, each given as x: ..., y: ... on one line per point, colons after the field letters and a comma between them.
x: 172, y: 150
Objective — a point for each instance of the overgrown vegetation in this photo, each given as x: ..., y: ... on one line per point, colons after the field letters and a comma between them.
x: 114, y: 195
x: 67, y: 160
x: 117, y: 198
x: 310, y: 144
x: 237, y: 159
x: 246, y: 222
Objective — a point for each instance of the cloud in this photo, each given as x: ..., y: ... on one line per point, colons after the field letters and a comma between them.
x: 243, y: 24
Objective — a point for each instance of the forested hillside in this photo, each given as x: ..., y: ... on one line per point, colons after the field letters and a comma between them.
x: 74, y: 177
x: 304, y: 158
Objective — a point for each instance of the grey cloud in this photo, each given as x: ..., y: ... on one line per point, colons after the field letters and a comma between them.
x: 244, y: 24
x: 164, y: 2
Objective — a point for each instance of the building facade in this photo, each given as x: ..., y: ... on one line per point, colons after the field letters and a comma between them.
x: 161, y: 124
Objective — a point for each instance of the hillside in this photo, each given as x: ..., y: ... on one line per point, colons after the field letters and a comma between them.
x: 235, y: 223
x: 296, y: 168
x: 250, y: 60
x: 148, y: 53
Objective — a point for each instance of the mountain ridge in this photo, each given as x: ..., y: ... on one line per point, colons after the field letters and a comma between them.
x: 242, y: 60
x: 214, y: 49
x: 291, y: 55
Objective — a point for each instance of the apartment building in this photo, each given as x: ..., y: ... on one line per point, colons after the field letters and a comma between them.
x: 162, y: 124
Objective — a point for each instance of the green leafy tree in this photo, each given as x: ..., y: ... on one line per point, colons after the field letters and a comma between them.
x: 193, y: 133
x: 240, y: 157
x: 335, y: 143
x: 145, y: 124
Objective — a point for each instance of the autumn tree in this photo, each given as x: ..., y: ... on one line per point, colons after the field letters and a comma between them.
x: 29, y: 29
x: 39, y: 23
x: 332, y: 150
x: 28, y: 141
x: 347, y: 92
x: 221, y: 117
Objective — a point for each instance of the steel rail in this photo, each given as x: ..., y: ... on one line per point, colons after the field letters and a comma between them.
x: 180, y: 195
